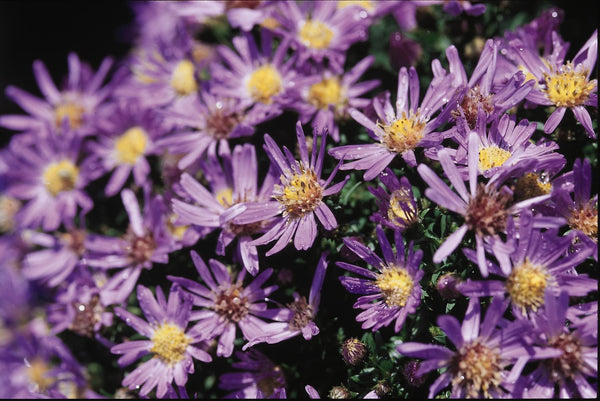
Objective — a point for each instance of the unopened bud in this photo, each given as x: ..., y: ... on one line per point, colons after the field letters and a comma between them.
x: 353, y: 351
x: 446, y: 286
x: 339, y: 393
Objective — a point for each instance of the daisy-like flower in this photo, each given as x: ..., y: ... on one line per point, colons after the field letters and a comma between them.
x: 227, y: 303
x: 232, y: 182
x: 61, y: 255
x: 400, y: 132
x: 392, y: 292
x: 48, y: 176
x: 574, y: 372
x: 530, y: 263
x: 169, y: 341
x: 297, y: 199
x: 320, y: 31
x: 206, y: 123
x: 259, y: 377
x: 397, y: 204
x: 485, y: 207
x: 485, y: 349
x: 581, y: 208
x: 298, y: 316
x: 123, y: 144
x: 145, y: 242
x: 260, y: 77
x: 160, y: 74
x: 70, y: 107
x: 562, y: 84
x: 325, y: 98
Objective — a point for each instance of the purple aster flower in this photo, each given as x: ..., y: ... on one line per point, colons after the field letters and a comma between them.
x: 227, y: 303
x: 205, y: 123
x: 562, y: 84
x: 397, y: 205
x: 232, y: 183
x: 479, y: 92
x: 48, y: 176
x: 393, y: 291
x: 160, y: 75
x: 581, y: 208
x: 260, y: 77
x: 298, y: 316
x: 169, y: 341
x: 123, y: 143
x: 37, y: 364
x: 485, y: 207
x: 320, y: 31
x: 297, y: 199
x: 61, y: 254
x: 530, y: 263
x: 401, y: 131
x: 506, y: 149
x: 146, y: 241
x: 485, y: 349
x: 325, y: 98
x: 259, y: 377
x: 70, y: 107
x: 574, y: 372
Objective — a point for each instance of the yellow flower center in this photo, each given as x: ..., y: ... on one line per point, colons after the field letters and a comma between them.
x: 270, y: 23
x: 325, y: 93
x: 315, y: 34
x: 492, y: 156
x: 232, y: 304
x: 183, y: 79
x: 72, y: 111
x: 567, y: 87
x: 403, y: 134
x: 401, y: 207
x: 300, y: 194
x: 530, y: 186
x: 131, y: 145
x: 169, y: 343
x: 264, y: 83
x: 528, y: 75
x: 395, y: 284
x: 60, y: 176
x: 366, y: 4
x: 38, y: 374
x: 526, y: 285
x: 176, y: 230
x: 477, y: 369
x: 225, y: 197
x: 585, y: 219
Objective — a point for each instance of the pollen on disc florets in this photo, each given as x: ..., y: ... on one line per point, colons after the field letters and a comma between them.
x: 299, y: 194
x: 403, y: 134
x: 477, y: 369
x: 169, y: 343
x: 567, y: 86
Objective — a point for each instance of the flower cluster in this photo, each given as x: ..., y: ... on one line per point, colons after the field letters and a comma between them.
x: 271, y: 199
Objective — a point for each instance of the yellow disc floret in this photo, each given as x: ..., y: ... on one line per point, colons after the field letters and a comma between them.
x: 183, y: 79
x: 395, y: 284
x: 325, y: 93
x: 526, y: 285
x: 131, y: 145
x: 403, y: 134
x: 585, y: 219
x: 530, y: 186
x: 38, y: 371
x: 315, y: 34
x: 567, y: 87
x: 169, y: 343
x: 72, y: 111
x: 264, y: 83
x: 401, y: 207
x: 225, y: 197
x: 60, y: 176
x: 477, y: 369
x: 301, y: 193
x: 492, y: 156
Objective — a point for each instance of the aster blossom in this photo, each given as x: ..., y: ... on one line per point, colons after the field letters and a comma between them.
x: 173, y: 346
x: 399, y: 130
x: 70, y: 107
x: 227, y: 303
x: 298, y: 316
x: 563, y: 84
x: 485, y: 350
x: 397, y: 204
x: 298, y: 197
x: 392, y: 292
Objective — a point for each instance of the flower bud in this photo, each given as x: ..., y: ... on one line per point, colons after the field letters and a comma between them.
x: 404, y: 52
x: 339, y: 393
x: 353, y: 351
x: 446, y: 286
x: 410, y: 374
